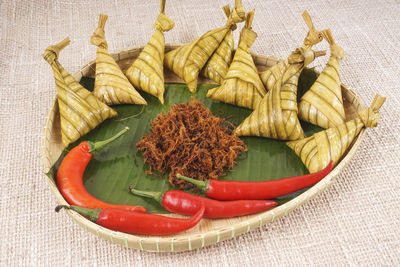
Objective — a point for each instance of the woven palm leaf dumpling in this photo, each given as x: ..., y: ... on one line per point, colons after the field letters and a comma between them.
x: 111, y: 85
x: 188, y: 60
x: 80, y: 111
x: 276, y: 115
x: 322, y: 104
x: 217, y: 66
x: 271, y: 75
x: 242, y: 85
x: 317, y: 150
x: 147, y: 71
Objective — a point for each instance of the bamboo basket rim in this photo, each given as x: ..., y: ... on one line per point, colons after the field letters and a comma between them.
x: 196, y: 240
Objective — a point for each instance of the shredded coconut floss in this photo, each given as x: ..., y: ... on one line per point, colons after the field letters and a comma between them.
x: 191, y: 141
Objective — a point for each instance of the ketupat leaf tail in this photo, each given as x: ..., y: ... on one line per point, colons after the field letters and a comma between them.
x: 99, y: 38
x: 327, y: 34
x: 249, y: 19
x: 370, y: 116
x: 237, y: 15
x: 227, y: 12
x: 336, y: 50
x: 307, y: 19
x: 53, y: 51
x: 378, y: 102
x: 163, y: 23
x: 314, y: 36
x: 162, y: 6
x: 247, y: 35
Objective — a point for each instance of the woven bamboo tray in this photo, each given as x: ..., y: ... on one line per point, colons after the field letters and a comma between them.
x: 208, y: 231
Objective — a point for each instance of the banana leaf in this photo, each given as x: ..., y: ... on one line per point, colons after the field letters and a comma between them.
x: 114, y: 168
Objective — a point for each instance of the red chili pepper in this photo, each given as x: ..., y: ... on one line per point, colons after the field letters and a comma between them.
x: 132, y: 222
x: 70, y: 172
x: 233, y: 190
x: 184, y: 203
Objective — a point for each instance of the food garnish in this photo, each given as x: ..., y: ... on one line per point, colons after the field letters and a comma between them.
x: 190, y: 140
x: 70, y: 176
x: 132, y: 222
x: 181, y: 202
x: 237, y: 190
x: 147, y: 71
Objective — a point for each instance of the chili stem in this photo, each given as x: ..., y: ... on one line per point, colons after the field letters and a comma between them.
x: 100, y: 144
x: 91, y: 214
x: 154, y: 195
x: 201, y: 184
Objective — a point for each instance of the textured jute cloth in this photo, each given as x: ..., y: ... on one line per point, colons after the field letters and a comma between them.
x: 354, y: 222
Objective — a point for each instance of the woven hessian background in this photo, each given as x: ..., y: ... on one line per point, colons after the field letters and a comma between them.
x: 355, y: 222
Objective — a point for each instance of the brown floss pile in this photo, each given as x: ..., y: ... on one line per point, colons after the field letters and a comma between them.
x: 191, y: 141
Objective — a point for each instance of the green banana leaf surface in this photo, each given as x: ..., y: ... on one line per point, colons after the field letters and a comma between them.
x: 120, y: 164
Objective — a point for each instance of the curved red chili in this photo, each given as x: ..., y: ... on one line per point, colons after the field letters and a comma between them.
x: 132, y: 222
x: 184, y: 203
x: 70, y: 172
x: 235, y: 190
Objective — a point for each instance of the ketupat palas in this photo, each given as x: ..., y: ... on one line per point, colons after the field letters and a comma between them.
x: 111, y: 86
x: 188, y: 60
x: 147, y: 71
x: 217, y: 66
x: 276, y: 115
x: 271, y: 75
x: 242, y: 85
x: 80, y: 111
x: 322, y: 104
x: 317, y: 150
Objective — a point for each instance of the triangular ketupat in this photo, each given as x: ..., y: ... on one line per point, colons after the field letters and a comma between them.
x: 111, y: 85
x: 322, y: 104
x: 317, y: 150
x: 242, y: 85
x: 80, y: 111
x: 217, y: 66
x: 276, y: 115
x: 147, y: 71
x: 271, y: 75
x: 188, y: 60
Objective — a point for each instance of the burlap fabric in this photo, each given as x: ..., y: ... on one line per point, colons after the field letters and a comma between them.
x: 354, y: 222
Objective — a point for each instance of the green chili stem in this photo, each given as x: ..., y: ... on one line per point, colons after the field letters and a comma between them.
x: 202, y: 184
x: 91, y: 214
x: 158, y: 196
